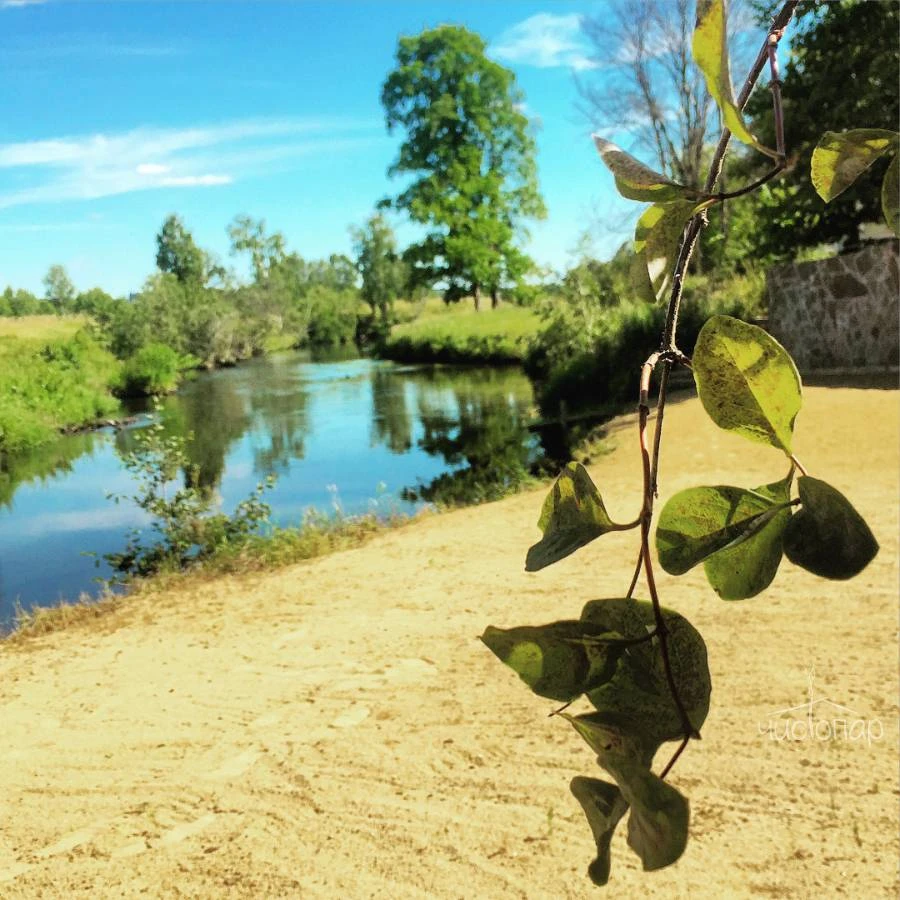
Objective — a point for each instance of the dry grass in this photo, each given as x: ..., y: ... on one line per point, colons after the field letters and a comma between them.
x: 41, y: 328
x: 262, y: 553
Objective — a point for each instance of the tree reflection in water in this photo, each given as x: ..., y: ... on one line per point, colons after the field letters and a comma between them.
x: 477, y: 420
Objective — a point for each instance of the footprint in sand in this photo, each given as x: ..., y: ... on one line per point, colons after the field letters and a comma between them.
x: 237, y: 765
x: 351, y: 717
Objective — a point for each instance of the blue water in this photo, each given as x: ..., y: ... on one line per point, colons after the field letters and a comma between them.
x: 351, y: 433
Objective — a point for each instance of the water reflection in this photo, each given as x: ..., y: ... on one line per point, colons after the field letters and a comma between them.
x: 478, y: 424
x: 439, y: 434
x: 41, y: 464
x: 391, y: 422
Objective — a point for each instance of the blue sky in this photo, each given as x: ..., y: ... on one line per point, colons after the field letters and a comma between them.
x: 119, y: 113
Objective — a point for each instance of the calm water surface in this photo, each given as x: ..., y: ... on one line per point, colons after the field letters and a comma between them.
x: 354, y: 432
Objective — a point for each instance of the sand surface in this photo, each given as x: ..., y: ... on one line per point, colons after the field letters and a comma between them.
x: 336, y: 729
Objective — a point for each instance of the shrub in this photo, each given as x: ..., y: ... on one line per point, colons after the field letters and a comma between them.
x: 153, y: 370
x: 51, y: 385
x: 180, y: 517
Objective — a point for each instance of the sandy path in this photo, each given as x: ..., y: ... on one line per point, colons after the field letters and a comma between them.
x: 335, y: 729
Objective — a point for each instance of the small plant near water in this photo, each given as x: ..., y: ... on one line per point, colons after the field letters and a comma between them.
x: 643, y: 667
x: 185, y: 531
x: 183, y: 534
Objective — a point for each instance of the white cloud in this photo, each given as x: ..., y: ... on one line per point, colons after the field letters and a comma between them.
x: 11, y: 4
x: 101, y: 165
x: 195, y: 180
x: 545, y: 40
x: 151, y: 169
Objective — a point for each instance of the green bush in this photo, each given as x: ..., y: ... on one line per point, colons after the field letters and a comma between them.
x: 185, y: 530
x: 332, y: 316
x: 153, y: 370
x: 571, y: 377
x: 46, y: 386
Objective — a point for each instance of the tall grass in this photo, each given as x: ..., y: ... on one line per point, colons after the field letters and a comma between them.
x: 458, y: 334
x: 41, y: 328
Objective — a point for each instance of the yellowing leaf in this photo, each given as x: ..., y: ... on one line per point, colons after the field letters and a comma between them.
x: 747, y: 567
x: 841, y: 157
x: 657, y: 240
x: 747, y: 381
x: 636, y: 181
x: 698, y: 522
x: 710, y: 48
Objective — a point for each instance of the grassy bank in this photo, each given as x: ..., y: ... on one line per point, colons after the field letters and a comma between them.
x: 53, y: 376
x: 458, y: 334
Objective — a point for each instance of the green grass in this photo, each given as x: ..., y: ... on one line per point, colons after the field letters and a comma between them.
x: 458, y: 334
x: 53, y: 376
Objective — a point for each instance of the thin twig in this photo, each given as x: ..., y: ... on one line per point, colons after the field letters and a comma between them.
x: 673, y: 760
x: 668, y: 350
x: 799, y: 465
x: 750, y: 188
x: 715, y: 170
x: 775, y: 85
x: 637, y: 574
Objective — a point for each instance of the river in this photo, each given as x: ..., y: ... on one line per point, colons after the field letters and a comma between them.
x: 348, y: 433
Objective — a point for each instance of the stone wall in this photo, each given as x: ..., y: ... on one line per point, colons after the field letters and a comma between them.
x: 841, y: 312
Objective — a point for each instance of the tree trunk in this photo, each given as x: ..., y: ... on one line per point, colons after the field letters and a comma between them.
x: 495, y: 297
x: 476, y: 296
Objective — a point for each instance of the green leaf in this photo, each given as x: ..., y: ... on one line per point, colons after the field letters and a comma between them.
x: 603, y: 806
x: 561, y: 660
x: 828, y: 537
x: 636, y: 181
x: 573, y: 515
x: 710, y: 48
x: 697, y: 522
x: 658, y: 824
x: 747, y: 567
x: 640, y: 278
x: 636, y: 700
x: 747, y: 381
x: 890, y: 195
x: 841, y: 157
x: 660, y: 815
x: 657, y: 239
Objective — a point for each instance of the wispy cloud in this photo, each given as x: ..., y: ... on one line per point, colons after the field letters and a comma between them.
x: 12, y: 4
x: 545, y: 40
x: 100, y: 165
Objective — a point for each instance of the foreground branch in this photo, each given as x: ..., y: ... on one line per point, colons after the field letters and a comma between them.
x: 669, y: 354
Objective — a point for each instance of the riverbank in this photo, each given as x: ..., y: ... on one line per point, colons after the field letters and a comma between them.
x: 459, y: 334
x: 335, y: 728
x: 54, y: 377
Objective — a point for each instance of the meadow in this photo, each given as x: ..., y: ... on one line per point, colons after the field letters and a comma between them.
x: 458, y: 334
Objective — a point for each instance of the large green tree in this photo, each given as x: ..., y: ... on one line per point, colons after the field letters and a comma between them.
x: 470, y: 155
x: 843, y: 73
x: 177, y: 253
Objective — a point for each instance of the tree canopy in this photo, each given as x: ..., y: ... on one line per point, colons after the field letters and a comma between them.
x: 58, y: 286
x: 843, y: 73
x: 471, y: 155
x: 380, y: 267
x: 177, y: 253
